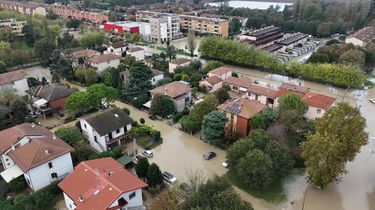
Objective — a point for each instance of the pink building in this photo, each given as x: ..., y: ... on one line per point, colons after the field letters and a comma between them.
x: 222, y: 72
x: 212, y: 84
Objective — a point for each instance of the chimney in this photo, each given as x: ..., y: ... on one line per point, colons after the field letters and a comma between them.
x: 54, y: 137
x: 33, y: 125
x: 80, y: 198
x: 110, y: 173
x: 165, y: 90
x: 116, y: 115
x: 46, y: 151
x: 29, y: 140
x: 13, y: 148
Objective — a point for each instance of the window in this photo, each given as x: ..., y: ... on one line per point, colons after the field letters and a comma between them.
x: 307, y: 108
x: 132, y: 195
x: 318, y: 111
x: 232, y: 116
x: 50, y: 165
x: 95, y: 139
x: 248, y: 94
x: 118, y: 131
x: 153, y: 79
x: 54, y: 175
x: 70, y: 205
x: 235, y: 88
x: 85, y: 125
x: 28, y: 181
x: 7, y: 159
x: 256, y: 97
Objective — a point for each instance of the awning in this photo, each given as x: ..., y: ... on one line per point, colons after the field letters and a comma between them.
x: 125, y: 160
x: 11, y: 173
x: 40, y: 102
x: 242, y: 89
x: 147, y: 104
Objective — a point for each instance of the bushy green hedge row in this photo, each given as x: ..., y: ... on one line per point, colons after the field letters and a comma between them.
x: 230, y: 51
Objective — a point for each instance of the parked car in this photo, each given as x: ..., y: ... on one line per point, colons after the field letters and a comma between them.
x: 138, y: 157
x: 169, y: 177
x: 209, y: 155
x: 152, y: 117
x: 148, y: 153
x: 372, y: 100
x: 33, y: 115
x: 185, y: 187
x: 225, y: 163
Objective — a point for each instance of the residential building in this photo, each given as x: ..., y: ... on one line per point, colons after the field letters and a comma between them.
x: 14, y: 80
x: 362, y: 37
x: 145, y: 15
x: 179, y: 92
x: 121, y: 27
x: 102, y: 184
x: 239, y: 111
x: 212, y: 83
x: 222, y: 72
x: 49, y: 99
x: 230, y: 18
x: 107, y: 129
x: 173, y: 64
x: 164, y: 27
x: 292, y: 40
x: 67, y: 12
x: 84, y: 54
x: 101, y: 62
x: 36, y: 153
x: 23, y: 8
x: 158, y: 75
x: 236, y: 84
x: 137, y: 52
x: 117, y: 48
x: 217, y: 27
x: 15, y: 25
x: 264, y: 95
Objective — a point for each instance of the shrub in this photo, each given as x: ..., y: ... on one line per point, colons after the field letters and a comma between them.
x: 157, y: 135
x: 78, y: 125
x: 18, y: 184
x: 69, y: 118
x: 177, y: 117
x: 126, y: 110
x: 18, y: 198
x: 4, y: 188
x: 30, y: 120
x: 90, y: 110
x: 142, y: 121
x: 117, y: 151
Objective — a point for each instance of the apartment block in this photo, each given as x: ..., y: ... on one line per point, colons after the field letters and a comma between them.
x: 145, y: 15
x: 88, y: 17
x: 164, y: 27
x: 14, y: 24
x: 205, y: 25
x: 23, y: 8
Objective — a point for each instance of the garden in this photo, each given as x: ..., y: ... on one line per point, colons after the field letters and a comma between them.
x: 146, y: 136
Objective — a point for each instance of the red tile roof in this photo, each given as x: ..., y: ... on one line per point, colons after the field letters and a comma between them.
x: 84, y: 53
x: 103, y: 58
x: 242, y: 107
x: 319, y: 100
x: 7, y: 78
x: 213, y: 80
x: 366, y: 34
x: 244, y: 82
x: 105, y: 177
x: 220, y: 70
x: 174, y: 89
x: 265, y: 91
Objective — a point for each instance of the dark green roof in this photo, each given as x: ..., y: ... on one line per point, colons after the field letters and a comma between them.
x: 124, y: 160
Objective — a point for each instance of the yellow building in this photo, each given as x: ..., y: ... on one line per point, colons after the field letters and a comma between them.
x: 218, y: 27
x: 14, y: 24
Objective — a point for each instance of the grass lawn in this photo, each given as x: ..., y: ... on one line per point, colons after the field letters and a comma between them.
x: 25, y: 46
x: 275, y: 194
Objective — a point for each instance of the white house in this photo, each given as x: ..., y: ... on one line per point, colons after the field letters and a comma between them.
x: 102, y: 184
x: 158, y: 75
x: 178, y: 62
x: 14, y: 80
x: 101, y: 62
x: 80, y: 53
x: 107, y: 129
x: 362, y: 37
x: 36, y: 153
x: 137, y: 52
x: 117, y: 48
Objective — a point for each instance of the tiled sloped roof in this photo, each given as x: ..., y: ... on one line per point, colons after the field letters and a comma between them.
x: 242, y: 107
x: 9, y: 77
x: 173, y: 89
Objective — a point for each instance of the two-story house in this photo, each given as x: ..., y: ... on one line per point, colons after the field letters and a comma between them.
x: 137, y: 52
x: 241, y: 84
x: 239, y: 111
x: 101, y: 62
x: 222, y: 72
x: 102, y: 184
x: 107, y: 129
x: 179, y: 92
x: 117, y: 48
x: 49, y: 99
x: 265, y: 95
x: 36, y: 153
x: 173, y: 64
x: 14, y: 80
x: 81, y: 54
x: 158, y: 75
x: 212, y: 83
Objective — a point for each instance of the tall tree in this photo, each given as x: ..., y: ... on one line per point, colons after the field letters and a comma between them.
x: 282, y: 159
x: 19, y: 110
x: 43, y: 48
x: 191, y: 43
x: 165, y: 199
x: 91, y: 76
x: 154, y: 176
x: 73, y: 23
x: 162, y: 105
x: 270, y: 115
x: 213, y: 127
x: 70, y: 134
x: 257, y: 121
x: 101, y: 95
x: 212, y: 65
x: 203, y: 108
x: 139, y: 80
x: 222, y: 95
x: 28, y: 32
x: 353, y: 57
x: 142, y: 167
x: 292, y: 102
x: 78, y: 101
x: 339, y: 136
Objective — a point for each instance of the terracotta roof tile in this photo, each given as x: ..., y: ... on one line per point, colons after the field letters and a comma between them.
x: 84, y: 53
x: 319, y: 100
x: 244, y: 82
x: 135, y: 49
x: 265, y: 91
x: 98, y: 179
x: 174, y: 89
x: 366, y: 34
x: 51, y: 92
x: 7, y: 78
x: 242, y: 107
x: 119, y: 45
x: 220, y: 70
x: 213, y: 80
x: 103, y: 58
x: 180, y: 61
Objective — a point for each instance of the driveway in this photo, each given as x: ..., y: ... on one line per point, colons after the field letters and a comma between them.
x: 38, y: 72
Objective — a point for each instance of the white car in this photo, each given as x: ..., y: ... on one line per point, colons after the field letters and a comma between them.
x: 169, y: 177
x: 148, y: 153
x: 225, y: 163
x: 372, y: 100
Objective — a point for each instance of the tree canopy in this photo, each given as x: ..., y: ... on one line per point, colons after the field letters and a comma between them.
x: 154, y: 175
x: 213, y: 127
x: 142, y: 167
x: 203, y: 108
x: 162, y: 105
x: 339, y: 136
x: 70, y: 134
x: 139, y: 80
x: 292, y: 102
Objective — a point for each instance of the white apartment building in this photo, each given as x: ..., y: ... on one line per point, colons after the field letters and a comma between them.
x: 164, y: 27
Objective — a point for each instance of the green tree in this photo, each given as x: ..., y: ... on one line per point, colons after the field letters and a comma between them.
x: 91, y: 76
x: 260, y: 138
x: 92, y: 40
x: 339, y: 136
x: 270, y: 115
x: 353, y: 57
x: 196, y: 64
x: 70, y: 134
x: 3, y: 67
x: 257, y: 121
x: 43, y: 48
x: 82, y: 152
x: 18, y: 198
x: 191, y: 43
x: 142, y: 167
x: 213, y: 127
x: 282, y: 159
x: 255, y: 169
x: 162, y: 105
x: 111, y: 77
x: 19, y: 110
x: 292, y: 102
x: 139, y: 80
x: 188, y: 125
x: 78, y: 101
x: 28, y: 33
x: 136, y: 38
x: 165, y: 199
x: 126, y: 110
x: 163, y: 81
x: 200, y: 110
x: 154, y: 176
x: 171, y: 52
x: 222, y: 95
x: 142, y: 121
x: 129, y: 60
x: 324, y: 29
x: 212, y: 65
x: 73, y: 23
x: 211, y: 195
x: 101, y: 95
x: 238, y: 150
